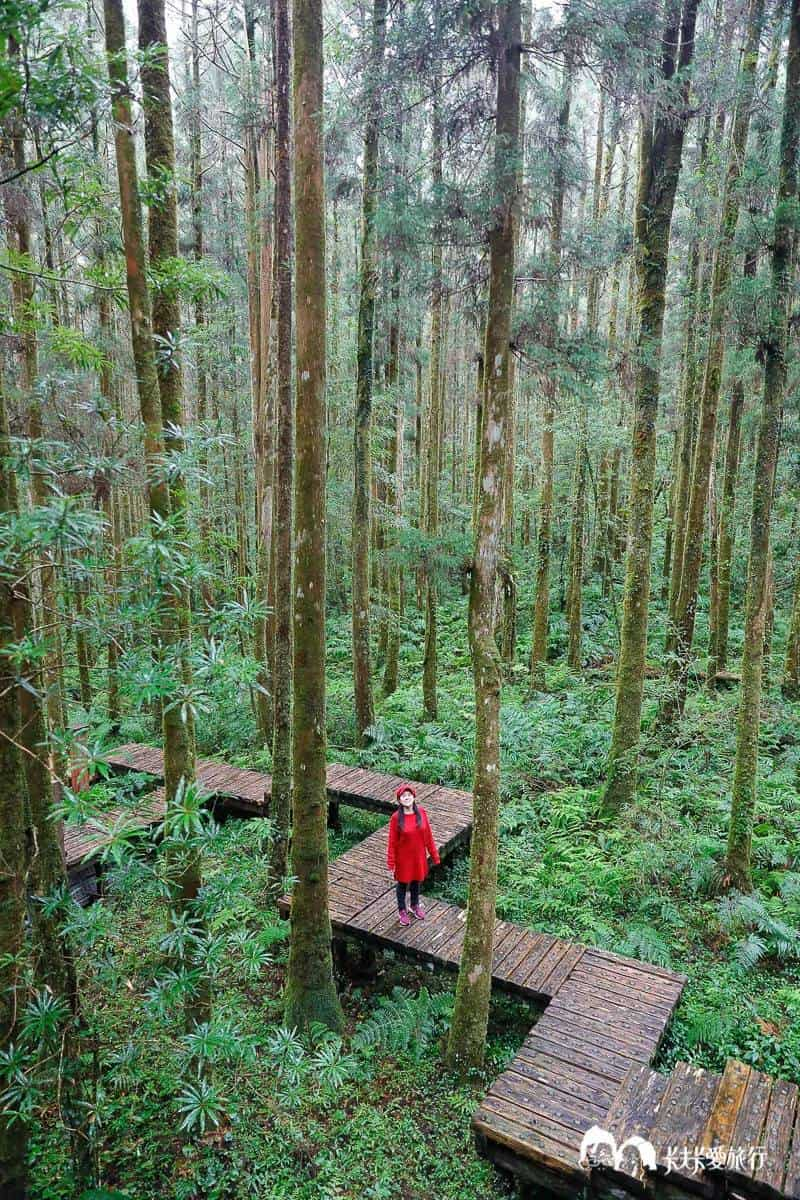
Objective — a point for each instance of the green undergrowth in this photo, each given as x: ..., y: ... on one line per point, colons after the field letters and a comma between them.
x: 650, y: 886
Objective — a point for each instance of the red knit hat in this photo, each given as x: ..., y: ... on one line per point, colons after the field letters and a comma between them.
x: 405, y: 787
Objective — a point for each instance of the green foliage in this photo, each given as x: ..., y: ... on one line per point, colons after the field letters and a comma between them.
x: 405, y: 1023
x: 764, y: 927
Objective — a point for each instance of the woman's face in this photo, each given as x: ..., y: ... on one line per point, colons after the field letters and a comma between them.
x: 407, y: 800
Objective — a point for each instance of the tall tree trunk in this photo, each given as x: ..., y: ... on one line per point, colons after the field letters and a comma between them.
x: 541, y: 609
x: 196, y: 175
x: 281, y: 806
x: 467, y: 1039
x: 159, y: 406
x: 662, y: 134
x: 18, y: 211
x: 756, y: 603
x: 310, y: 988
x: 13, y: 801
x: 601, y: 183
x: 365, y: 369
x: 790, y: 686
x: 686, y: 606
x: 687, y: 428
x: 260, y: 302
x: 395, y: 497
x: 434, y: 431
x: 719, y: 615
x: 476, y: 476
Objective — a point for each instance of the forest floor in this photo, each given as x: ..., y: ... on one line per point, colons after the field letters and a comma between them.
x: 374, y: 1117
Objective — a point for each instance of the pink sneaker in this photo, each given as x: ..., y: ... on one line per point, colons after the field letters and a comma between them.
x: 404, y: 918
x: 418, y: 911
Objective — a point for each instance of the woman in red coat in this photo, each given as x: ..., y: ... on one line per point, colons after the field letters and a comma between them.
x: 410, y: 843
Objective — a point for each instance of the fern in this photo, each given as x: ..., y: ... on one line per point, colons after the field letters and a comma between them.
x: 405, y: 1024
x: 763, y: 928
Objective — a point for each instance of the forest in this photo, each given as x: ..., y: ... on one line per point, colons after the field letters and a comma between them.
x: 399, y: 487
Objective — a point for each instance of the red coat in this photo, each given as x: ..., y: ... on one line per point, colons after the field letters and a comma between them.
x: 409, y: 847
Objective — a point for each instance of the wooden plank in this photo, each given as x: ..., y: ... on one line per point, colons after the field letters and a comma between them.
x: 442, y: 936
x: 592, y: 1024
x: 499, y: 1123
x: 537, y: 952
x: 419, y: 936
x: 571, y: 1111
x: 752, y: 1114
x: 568, y: 1140
x: 506, y: 936
x: 623, y: 969
x: 623, y: 993
x: 721, y: 1123
x: 527, y: 946
x: 562, y: 1034
x: 620, y: 962
x: 568, y: 1067
x: 633, y: 1113
x: 770, y: 1171
x: 451, y: 947
x: 534, y: 981
x: 681, y: 1120
x: 548, y: 1072
x: 641, y: 1018
x: 512, y: 944
x: 610, y: 1065
x: 791, y: 1182
x: 563, y: 970
x: 635, y: 1107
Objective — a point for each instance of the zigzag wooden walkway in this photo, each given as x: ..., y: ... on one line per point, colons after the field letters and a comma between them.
x: 586, y: 1062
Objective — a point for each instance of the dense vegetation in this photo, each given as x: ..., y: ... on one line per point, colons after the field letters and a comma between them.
x: 434, y: 412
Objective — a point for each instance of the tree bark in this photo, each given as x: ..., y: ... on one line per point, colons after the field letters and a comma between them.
x: 310, y: 989
x: 365, y: 369
x: 774, y: 351
x: 13, y: 801
x: 686, y: 606
x: 662, y: 135
x: 467, y: 1039
x: 790, y: 686
x: 395, y: 496
x: 281, y: 805
x: 434, y: 431
x: 159, y: 408
x: 541, y: 609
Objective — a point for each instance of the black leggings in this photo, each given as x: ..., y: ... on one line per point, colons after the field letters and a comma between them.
x: 401, y: 894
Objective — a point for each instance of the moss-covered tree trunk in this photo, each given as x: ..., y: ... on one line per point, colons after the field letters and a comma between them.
x: 719, y: 613
x: 467, y: 1039
x: 661, y: 149
x: 198, y: 250
x: 541, y: 605
x: 179, y: 751
x: 395, y: 497
x: 790, y: 685
x: 159, y: 407
x: 13, y: 823
x: 683, y: 617
x: 281, y: 808
x: 476, y: 477
x: 686, y: 433
x: 433, y: 433
x: 365, y: 370
x: 600, y: 190
x: 758, y: 570
x: 257, y: 166
x: 310, y: 988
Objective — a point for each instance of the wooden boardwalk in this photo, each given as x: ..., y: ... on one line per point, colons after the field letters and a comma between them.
x: 586, y: 1061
